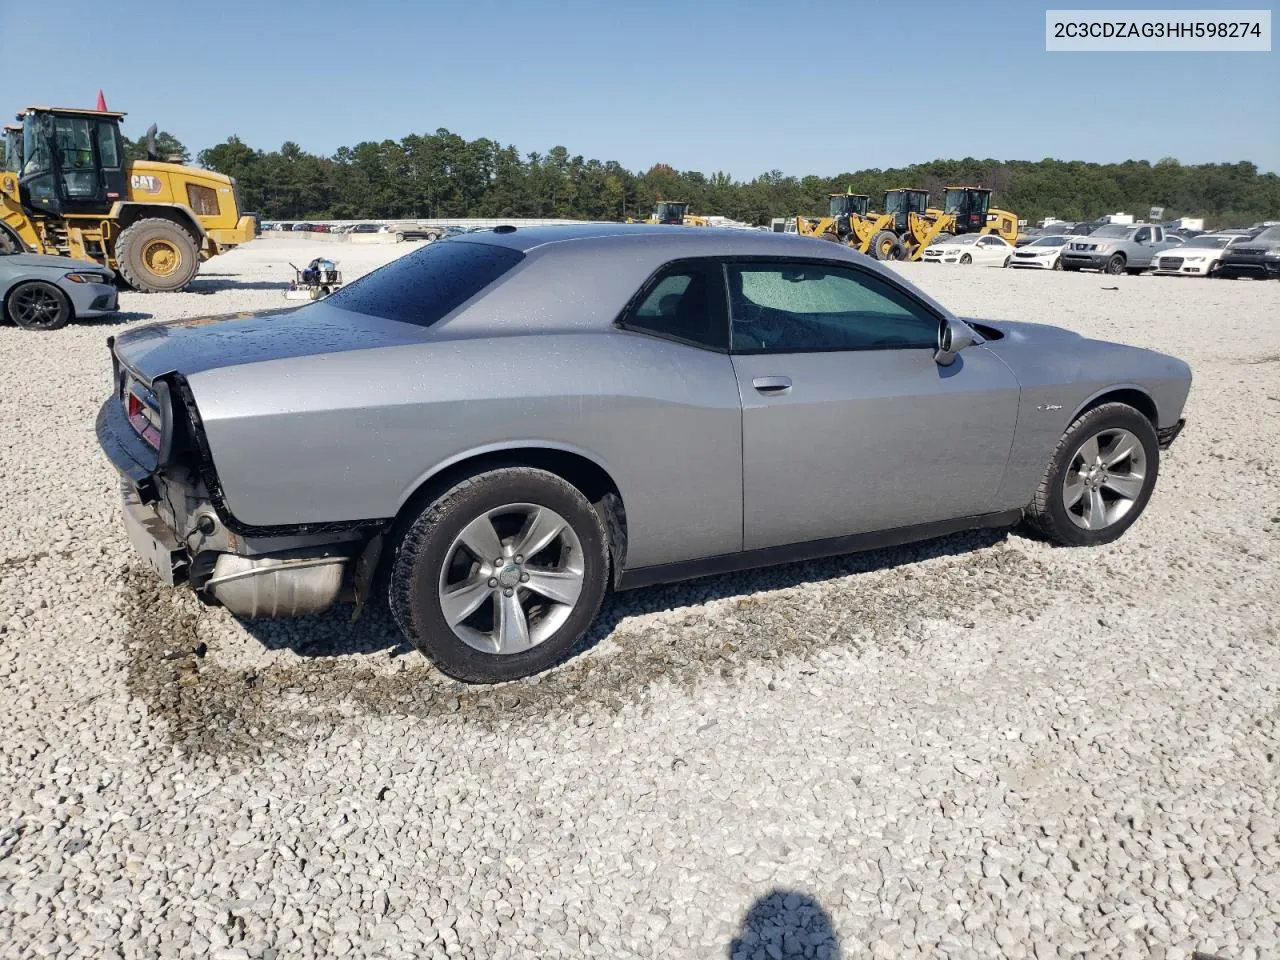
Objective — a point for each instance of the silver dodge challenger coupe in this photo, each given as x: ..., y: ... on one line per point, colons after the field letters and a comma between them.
x: 497, y: 428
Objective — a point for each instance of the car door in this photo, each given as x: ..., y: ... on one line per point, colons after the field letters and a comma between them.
x: 1143, y: 248
x: 993, y: 251
x: 848, y: 425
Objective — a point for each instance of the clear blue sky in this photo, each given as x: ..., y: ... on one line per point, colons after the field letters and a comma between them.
x: 745, y: 86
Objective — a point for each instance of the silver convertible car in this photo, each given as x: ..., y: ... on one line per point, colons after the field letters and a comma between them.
x: 497, y: 428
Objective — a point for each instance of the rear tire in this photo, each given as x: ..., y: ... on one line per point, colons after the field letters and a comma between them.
x: 36, y: 305
x: 1057, y: 263
x: 885, y: 246
x: 1063, y: 510
x: 1007, y: 260
x: 157, y: 256
x: 438, y: 563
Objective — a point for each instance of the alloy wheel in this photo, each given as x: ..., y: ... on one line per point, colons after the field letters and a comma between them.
x: 1105, y: 478
x: 511, y: 578
x: 35, y: 307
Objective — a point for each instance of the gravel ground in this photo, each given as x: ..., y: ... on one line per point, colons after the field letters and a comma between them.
x: 977, y: 747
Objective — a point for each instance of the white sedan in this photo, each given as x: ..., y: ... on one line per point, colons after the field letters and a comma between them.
x: 1043, y: 253
x: 985, y: 249
x: 1197, y: 257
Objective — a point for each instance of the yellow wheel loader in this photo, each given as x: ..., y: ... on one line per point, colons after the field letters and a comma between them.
x: 964, y: 210
x: 673, y: 212
x: 849, y: 221
x: 71, y: 191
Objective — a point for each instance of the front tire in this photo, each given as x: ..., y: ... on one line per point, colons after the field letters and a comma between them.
x: 498, y: 578
x: 884, y: 246
x: 1115, y: 266
x: 1099, y: 479
x: 157, y: 256
x: 966, y: 259
x: 37, y: 305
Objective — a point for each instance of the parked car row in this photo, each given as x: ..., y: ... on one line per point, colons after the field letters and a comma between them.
x: 1124, y: 248
x: 403, y: 230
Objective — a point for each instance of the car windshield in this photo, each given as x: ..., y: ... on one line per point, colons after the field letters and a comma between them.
x: 1269, y: 235
x: 426, y: 286
x: 1216, y: 242
x: 1113, y: 230
x: 1048, y: 242
x: 965, y: 238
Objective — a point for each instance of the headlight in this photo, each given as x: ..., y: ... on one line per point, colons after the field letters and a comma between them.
x: 1193, y: 259
x: 1275, y: 252
x: 87, y: 278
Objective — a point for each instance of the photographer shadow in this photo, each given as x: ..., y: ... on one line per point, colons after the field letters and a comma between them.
x: 782, y: 924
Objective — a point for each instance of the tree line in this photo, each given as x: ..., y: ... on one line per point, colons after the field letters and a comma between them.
x: 443, y: 175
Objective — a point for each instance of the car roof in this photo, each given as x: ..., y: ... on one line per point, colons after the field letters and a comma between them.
x: 680, y: 240
x: 613, y: 260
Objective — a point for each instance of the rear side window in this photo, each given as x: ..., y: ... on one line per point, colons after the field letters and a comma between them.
x: 425, y: 286
x: 684, y: 302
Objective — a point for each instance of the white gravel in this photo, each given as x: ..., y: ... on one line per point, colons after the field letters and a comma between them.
x: 978, y: 747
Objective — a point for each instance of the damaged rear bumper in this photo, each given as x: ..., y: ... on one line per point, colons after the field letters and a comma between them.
x: 177, y: 533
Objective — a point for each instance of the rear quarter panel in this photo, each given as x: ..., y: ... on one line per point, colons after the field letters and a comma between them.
x: 352, y: 436
x: 1061, y: 374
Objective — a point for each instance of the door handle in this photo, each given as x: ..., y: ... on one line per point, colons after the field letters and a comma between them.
x: 773, y: 386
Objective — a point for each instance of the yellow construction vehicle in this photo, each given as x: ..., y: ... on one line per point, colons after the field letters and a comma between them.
x: 964, y: 210
x: 849, y: 221
x: 74, y: 193
x: 673, y: 212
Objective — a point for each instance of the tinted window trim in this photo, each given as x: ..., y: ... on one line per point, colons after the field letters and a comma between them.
x: 854, y: 268
x: 626, y: 322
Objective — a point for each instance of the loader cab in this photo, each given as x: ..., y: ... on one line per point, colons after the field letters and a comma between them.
x: 73, y: 161
x: 670, y: 211
x: 969, y: 206
x: 13, y: 147
x: 846, y: 204
x: 902, y: 202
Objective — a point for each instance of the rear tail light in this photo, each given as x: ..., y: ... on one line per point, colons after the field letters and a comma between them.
x: 144, y: 414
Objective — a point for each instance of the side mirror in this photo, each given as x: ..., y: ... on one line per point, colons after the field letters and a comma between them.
x: 952, y: 338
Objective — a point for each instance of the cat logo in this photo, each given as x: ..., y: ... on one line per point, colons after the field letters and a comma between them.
x: 145, y: 183
x: 8, y: 184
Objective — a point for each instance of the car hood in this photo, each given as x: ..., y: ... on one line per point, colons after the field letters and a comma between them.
x: 192, y: 346
x: 1018, y: 331
x: 65, y: 264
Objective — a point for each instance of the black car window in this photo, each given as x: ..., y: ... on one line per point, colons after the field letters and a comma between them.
x: 1142, y: 236
x: 425, y: 286
x: 685, y: 302
x: 804, y: 307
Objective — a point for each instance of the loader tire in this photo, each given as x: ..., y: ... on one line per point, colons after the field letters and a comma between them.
x: 157, y: 256
x: 885, y: 246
